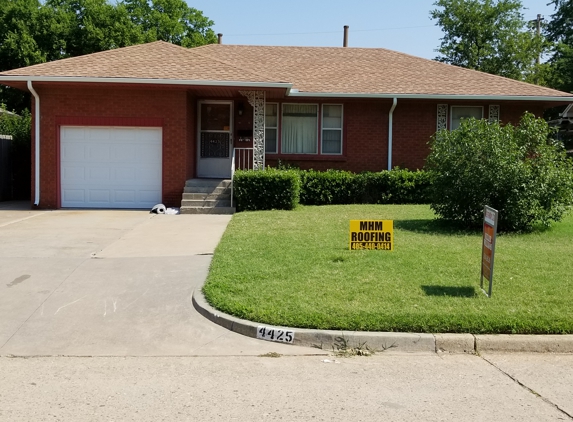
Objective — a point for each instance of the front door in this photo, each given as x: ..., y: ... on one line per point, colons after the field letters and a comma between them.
x: 215, y: 139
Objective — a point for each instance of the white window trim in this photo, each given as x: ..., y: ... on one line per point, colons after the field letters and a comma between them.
x: 322, y: 128
x: 274, y: 127
x: 318, y: 108
x: 463, y: 106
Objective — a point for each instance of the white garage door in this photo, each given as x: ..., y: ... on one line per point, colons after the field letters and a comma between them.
x: 110, y: 167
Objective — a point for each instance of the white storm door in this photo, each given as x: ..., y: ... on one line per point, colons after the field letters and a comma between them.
x: 215, y: 140
x: 110, y: 167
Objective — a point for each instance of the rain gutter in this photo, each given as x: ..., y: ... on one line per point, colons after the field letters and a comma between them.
x: 36, y: 142
x: 148, y: 81
x: 390, y: 124
x: 433, y: 96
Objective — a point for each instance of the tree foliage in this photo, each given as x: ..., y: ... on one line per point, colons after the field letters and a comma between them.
x: 170, y: 20
x: 32, y: 32
x: 487, y: 35
x: 89, y: 26
x: 560, y: 31
x: 520, y: 171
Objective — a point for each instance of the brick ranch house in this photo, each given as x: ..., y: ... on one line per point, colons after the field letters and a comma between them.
x: 127, y: 128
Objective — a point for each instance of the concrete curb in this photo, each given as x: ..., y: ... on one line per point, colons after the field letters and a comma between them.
x: 400, y: 342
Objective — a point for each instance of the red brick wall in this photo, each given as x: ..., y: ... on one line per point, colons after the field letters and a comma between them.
x: 414, y: 123
x: 126, y: 106
x: 365, y: 132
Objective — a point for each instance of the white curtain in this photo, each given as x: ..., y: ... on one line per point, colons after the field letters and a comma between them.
x: 299, y: 129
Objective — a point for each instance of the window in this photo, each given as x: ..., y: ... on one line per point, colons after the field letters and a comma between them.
x: 271, y: 128
x: 331, y: 129
x: 460, y: 113
x: 299, y: 134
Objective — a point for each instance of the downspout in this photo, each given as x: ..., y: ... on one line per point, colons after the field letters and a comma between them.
x: 390, y: 122
x: 36, y: 143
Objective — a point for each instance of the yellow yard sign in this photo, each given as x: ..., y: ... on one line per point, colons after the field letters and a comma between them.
x: 371, y: 235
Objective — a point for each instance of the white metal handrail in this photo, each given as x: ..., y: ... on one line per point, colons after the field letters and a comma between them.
x: 242, y: 160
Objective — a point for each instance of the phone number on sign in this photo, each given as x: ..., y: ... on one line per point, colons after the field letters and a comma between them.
x: 274, y: 334
x: 383, y: 246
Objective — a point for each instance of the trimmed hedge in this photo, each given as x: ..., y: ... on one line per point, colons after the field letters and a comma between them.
x: 327, y: 187
x: 262, y: 190
x: 398, y: 186
x: 266, y: 189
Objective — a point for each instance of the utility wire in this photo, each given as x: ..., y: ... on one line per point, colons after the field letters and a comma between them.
x: 328, y: 32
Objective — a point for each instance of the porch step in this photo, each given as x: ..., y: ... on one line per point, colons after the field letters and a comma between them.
x: 224, y: 183
x: 210, y: 203
x: 204, y: 210
x: 215, y: 190
x: 204, y: 196
x: 207, y: 196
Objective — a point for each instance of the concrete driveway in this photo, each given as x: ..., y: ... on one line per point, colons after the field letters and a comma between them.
x: 110, y: 283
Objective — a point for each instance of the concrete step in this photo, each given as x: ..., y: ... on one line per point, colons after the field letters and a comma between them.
x: 207, y: 189
x: 206, y: 204
x: 207, y: 196
x: 208, y: 183
x: 204, y: 210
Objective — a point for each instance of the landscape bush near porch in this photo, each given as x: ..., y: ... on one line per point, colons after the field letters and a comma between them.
x: 277, y: 189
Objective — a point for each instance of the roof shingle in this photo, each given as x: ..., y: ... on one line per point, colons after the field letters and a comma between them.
x: 317, y: 70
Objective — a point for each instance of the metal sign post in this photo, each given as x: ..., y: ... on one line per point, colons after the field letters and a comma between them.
x: 488, y: 246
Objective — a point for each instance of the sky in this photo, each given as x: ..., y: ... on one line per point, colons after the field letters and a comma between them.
x: 401, y: 25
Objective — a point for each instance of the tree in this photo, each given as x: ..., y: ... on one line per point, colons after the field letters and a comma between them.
x: 487, y: 35
x: 560, y: 31
x: 90, y: 26
x: 520, y: 171
x: 172, y: 21
x: 29, y: 34
x: 32, y: 32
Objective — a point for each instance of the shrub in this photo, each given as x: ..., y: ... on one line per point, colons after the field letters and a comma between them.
x: 518, y: 170
x: 266, y: 189
x: 399, y: 186
x: 256, y: 190
x: 327, y: 187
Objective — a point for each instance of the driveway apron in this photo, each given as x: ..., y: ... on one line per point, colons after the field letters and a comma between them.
x: 110, y: 283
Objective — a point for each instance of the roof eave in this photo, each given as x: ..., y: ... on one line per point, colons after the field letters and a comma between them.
x: 294, y: 93
x: 145, y: 81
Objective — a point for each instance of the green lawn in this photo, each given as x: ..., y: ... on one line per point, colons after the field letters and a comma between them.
x: 294, y: 268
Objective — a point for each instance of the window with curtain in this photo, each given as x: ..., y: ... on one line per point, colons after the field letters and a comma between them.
x: 331, y: 129
x: 271, y: 128
x: 460, y: 113
x: 299, y: 134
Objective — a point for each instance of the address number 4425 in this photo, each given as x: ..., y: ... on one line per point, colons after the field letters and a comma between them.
x: 274, y: 334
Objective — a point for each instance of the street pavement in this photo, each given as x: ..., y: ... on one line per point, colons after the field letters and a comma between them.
x: 97, y: 323
x: 396, y: 387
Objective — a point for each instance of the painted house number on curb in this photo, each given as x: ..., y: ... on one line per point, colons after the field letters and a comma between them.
x: 274, y: 334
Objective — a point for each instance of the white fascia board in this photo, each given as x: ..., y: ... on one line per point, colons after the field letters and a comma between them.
x: 434, y: 96
x: 135, y: 81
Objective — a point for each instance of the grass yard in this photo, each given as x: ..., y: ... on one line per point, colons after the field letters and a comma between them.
x: 293, y: 268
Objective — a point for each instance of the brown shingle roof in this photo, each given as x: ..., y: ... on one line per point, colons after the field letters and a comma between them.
x: 317, y: 70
